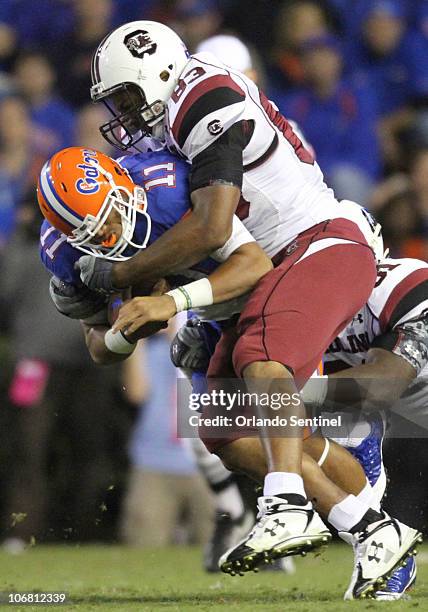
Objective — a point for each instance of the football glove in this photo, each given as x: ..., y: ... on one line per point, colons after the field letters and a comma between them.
x: 77, y: 302
x: 188, y: 349
x: 95, y: 273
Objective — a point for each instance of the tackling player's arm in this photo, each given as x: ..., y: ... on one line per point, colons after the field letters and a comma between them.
x: 237, y: 275
x: 215, y: 186
x: 95, y: 343
x: 193, y: 238
x: 378, y: 383
x: 105, y: 347
x: 104, y: 351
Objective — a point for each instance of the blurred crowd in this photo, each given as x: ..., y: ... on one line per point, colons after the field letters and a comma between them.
x: 82, y: 445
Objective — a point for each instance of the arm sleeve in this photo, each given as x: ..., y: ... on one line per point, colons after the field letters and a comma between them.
x: 221, y: 161
x: 408, y: 340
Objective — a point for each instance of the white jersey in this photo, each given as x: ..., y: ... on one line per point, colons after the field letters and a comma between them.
x: 397, y: 297
x: 400, y: 296
x: 283, y: 191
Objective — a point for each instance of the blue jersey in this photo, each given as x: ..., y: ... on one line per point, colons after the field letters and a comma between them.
x: 165, y: 180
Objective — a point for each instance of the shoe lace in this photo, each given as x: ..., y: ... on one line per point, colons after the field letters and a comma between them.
x: 264, y: 515
x: 361, y: 537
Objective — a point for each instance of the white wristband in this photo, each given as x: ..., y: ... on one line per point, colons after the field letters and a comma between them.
x: 117, y: 343
x: 194, y: 295
x: 315, y: 390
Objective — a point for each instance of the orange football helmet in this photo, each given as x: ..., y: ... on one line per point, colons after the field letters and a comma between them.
x: 79, y: 188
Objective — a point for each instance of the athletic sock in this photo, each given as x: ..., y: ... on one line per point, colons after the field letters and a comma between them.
x: 281, y: 483
x: 227, y: 497
x: 371, y: 516
x: 366, y: 497
x: 346, y: 514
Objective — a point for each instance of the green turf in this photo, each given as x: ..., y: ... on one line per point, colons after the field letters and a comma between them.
x: 115, y: 578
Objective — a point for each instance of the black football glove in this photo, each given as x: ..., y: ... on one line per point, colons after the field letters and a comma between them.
x: 188, y: 348
x: 95, y: 273
x: 77, y: 302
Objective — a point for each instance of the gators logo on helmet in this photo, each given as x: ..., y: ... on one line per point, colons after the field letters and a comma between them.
x: 77, y: 191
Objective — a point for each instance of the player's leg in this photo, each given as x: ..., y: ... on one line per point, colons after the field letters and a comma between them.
x: 246, y: 455
x: 232, y: 520
x: 290, y: 319
x: 384, y: 548
x: 357, y: 523
x: 266, y: 378
x: 363, y: 439
x: 284, y: 468
x: 337, y: 464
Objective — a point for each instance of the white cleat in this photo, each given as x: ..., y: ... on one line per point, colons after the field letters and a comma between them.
x: 379, y: 550
x: 281, y: 529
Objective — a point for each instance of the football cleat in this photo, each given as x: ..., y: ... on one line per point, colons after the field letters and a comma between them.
x: 400, y: 582
x: 281, y: 529
x: 379, y: 549
x: 227, y: 532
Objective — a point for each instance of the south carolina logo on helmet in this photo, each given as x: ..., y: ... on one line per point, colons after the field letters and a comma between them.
x: 77, y: 191
x: 139, y: 43
x: 134, y: 72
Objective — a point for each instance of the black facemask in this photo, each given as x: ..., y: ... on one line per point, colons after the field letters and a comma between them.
x: 133, y: 120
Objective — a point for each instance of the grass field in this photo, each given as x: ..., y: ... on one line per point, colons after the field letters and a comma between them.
x: 115, y: 578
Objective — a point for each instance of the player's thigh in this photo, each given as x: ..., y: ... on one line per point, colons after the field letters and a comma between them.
x: 296, y: 311
x: 221, y: 364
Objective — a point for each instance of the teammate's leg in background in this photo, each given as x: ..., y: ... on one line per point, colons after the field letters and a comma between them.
x: 231, y: 519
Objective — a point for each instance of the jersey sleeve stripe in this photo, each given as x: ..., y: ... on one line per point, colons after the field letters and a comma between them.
x: 208, y: 103
x: 405, y: 296
x: 221, y: 87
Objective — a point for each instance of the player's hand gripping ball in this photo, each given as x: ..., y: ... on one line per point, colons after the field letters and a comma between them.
x: 147, y: 329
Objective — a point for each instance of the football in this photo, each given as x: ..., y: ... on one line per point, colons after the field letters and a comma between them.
x: 114, y: 305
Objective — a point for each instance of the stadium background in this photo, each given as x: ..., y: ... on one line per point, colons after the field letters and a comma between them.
x: 80, y: 445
